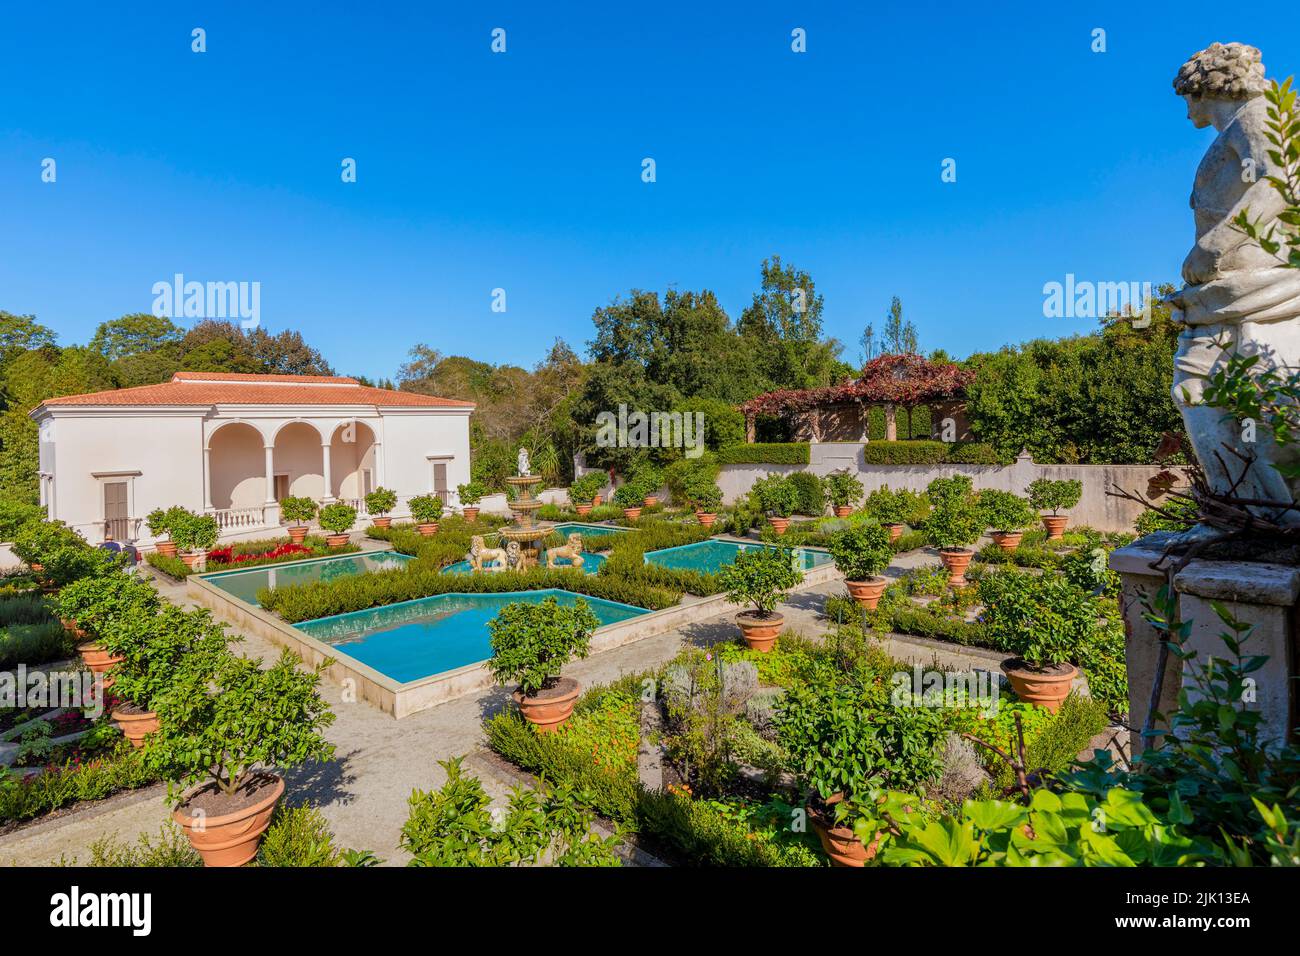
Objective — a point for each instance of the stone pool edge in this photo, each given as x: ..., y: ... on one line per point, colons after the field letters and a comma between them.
x: 401, y: 700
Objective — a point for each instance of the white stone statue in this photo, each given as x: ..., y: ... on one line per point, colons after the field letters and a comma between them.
x: 1237, y: 297
x: 523, y: 463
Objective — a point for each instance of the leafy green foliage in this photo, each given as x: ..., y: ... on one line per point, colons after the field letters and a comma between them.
x: 1046, y: 493
x: 775, y: 495
x: 157, y: 649
x: 1180, y: 514
x: 425, y: 509
x: 954, y: 519
x: 862, y: 551
x: 760, y: 577
x: 584, y: 489
x: 810, y: 494
x: 298, y: 509
x: 844, y: 489
x: 1041, y: 618
x: 472, y: 492
x: 121, y: 768
x: 896, y: 507
x: 192, y: 532
x: 1003, y: 511
x: 532, y: 642
x: 926, y: 452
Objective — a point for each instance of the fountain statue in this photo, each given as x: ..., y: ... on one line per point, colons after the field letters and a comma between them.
x: 522, y: 461
x: 1237, y: 298
x: 526, y: 534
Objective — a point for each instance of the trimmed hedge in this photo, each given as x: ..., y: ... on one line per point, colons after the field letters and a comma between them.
x: 925, y: 452
x: 626, y: 559
x: 305, y: 602
x: 769, y: 453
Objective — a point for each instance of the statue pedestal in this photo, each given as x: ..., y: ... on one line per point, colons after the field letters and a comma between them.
x: 1258, y: 593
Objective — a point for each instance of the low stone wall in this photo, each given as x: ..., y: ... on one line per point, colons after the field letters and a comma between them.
x: 1096, y: 509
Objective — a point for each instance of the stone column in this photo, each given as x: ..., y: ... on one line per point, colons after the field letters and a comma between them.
x: 270, y: 473
x: 1139, y: 583
x: 207, y: 479
x: 328, y: 496
x: 749, y: 428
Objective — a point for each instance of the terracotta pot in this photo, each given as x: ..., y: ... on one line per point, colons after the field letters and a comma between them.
x: 428, y: 528
x: 595, y: 501
x: 583, y: 510
x: 956, y: 560
x: 1034, y: 687
x: 98, y: 661
x: 298, y: 535
x: 549, y: 710
x: 166, y: 548
x: 760, y: 633
x: 843, y: 511
x: 895, y: 531
x: 841, y: 843
x: 135, y: 727
x: 706, y: 518
x: 470, y: 512
x: 631, y: 514
x: 867, y: 593
x: 337, y: 540
x: 231, y: 839
x: 1055, y: 525
x: 1007, y: 540
x: 192, y: 558
x: 71, y: 626
x: 36, y: 567
x: 381, y: 522
x: 779, y: 524
x: 651, y: 501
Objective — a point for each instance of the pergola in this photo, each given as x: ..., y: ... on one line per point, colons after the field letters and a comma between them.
x: 833, y: 412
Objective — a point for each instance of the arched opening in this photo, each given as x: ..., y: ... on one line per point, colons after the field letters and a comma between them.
x: 299, y: 462
x: 236, y: 462
x: 353, y: 467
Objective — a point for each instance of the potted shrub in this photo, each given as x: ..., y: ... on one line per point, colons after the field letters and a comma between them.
x: 91, y: 608
x: 379, y: 503
x: 158, y: 522
x: 1006, y: 515
x: 299, y: 511
x: 647, y: 478
x: 705, y: 497
x: 777, y: 498
x: 760, y: 577
x: 628, y: 497
x: 193, y: 534
x: 861, y: 553
x: 890, y: 508
x: 1045, y: 493
x: 152, y: 650
x: 1041, y: 621
x: 220, y: 732
x: 426, y: 510
x: 953, y: 524
x: 585, y: 490
x: 37, y: 540
x: 531, y: 643
x: 337, y: 518
x: 470, y: 494
x: 844, y: 491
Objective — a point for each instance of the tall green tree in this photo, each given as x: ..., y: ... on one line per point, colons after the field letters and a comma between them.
x: 783, y: 324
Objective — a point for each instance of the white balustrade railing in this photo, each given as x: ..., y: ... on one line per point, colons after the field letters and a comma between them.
x: 238, y: 519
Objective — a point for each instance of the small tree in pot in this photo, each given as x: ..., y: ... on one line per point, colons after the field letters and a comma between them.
x: 953, y: 524
x: 153, y: 649
x: 378, y: 503
x: 1044, y: 493
x: 760, y: 577
x: 777, y: 498
x: 470, y: 494
x: 194, y: 534
x: 337, y: 518
x: 531, y: 643
x: 224, y: 731
x: 844, y: 490
x: 861, y: 553
x: 705, y: 497
x: 92, y: 607
x: 1042, y: 620
x: 426, y: 511
x: 584, y: 490
x: 158, y: 522
x: 629, y: 497
x: 1006, y: 515
x: 299, y: 512
x: 647, y: 478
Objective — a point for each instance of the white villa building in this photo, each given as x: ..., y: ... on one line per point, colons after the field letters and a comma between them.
x: 234, y: 445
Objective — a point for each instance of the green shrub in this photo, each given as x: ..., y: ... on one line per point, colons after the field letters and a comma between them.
x: 954, y: 520
x: 1182, y: 514
x: 904, y: 452
x: 775, y: 496
x: 1067, y: 734
x: 1042, y: 619
x: 338, y: 517
x: 843, y: 488
x: 628, y: 495
x: 760, y: 578
x: 810, y: 494
x: 298, y: 837
x: 33, y: 644
x: 35, y: 541
x: 973, y: 453
x: 471, y: 493
x: 1045, y: 493
x: 381, y: 501
x: 896, y: 507
x: 786, y: 453
x: 158, y: 649
x: 192, y: 532
x: 1003, y: 511
x: 862, y: 551
x: 298, y: 510
x: 425, y: 509
x: 532, y: 642
x: 172, y: 850
x: 584, y: 489
x: 15, y: 514
x: 121, y: 768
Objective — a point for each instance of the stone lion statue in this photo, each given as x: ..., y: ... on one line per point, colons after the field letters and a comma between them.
x: 514, y: 556
x: 480, y: 555
x: 572, y: 550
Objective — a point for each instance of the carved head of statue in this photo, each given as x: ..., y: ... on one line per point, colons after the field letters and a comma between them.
x: 1221, y: 73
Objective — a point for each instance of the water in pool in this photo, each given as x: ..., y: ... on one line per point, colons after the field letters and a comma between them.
x: 418, y: 638
x: 245, y: 584
x: 709, y: 556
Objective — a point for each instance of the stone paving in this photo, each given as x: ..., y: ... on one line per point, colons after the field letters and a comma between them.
x: 363, y: 792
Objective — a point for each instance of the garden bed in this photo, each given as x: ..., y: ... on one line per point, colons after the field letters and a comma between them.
x: 249, y: 554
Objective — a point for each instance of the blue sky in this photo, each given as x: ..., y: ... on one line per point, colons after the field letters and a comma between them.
x: 522, y: 170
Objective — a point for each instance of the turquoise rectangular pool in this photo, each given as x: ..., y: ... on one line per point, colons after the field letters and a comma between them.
x: 709, y: 556
x: 245, y: 584
x: 426, y: 636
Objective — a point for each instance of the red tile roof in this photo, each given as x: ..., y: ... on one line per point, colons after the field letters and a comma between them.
x: 228, y: 388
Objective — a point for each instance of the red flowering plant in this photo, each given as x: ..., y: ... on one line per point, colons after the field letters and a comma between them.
x: 906, y: 379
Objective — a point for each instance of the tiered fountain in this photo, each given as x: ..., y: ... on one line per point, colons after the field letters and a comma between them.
x: 527, y: 531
